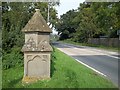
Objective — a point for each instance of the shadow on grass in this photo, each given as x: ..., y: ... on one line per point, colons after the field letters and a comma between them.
x: 52, y: 65
x: 12, y: 83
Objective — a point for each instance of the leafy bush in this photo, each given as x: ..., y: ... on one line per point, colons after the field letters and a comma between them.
x: 12, y: 59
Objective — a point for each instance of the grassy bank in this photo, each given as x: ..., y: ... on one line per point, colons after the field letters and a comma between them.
x: 0, y: 72
x: 91, y: 45
x: 65, y: 73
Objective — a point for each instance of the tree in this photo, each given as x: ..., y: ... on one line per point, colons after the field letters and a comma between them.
x: 66, y: 26
x: 15, y: 16
x: 90, y: 20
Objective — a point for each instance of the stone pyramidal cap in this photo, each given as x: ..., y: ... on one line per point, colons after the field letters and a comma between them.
x: 37, y: 23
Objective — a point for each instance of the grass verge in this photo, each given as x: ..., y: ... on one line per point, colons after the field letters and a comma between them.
x: 65, y: 73
x: 92, y: 45
x: 0, y: 72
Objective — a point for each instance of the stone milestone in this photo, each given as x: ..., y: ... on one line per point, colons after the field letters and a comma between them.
x: 37, y: 50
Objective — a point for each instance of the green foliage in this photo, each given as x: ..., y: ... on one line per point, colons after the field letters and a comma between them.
x: 15, y: 16
x: 66, y: 26
x: 90, y: 20
x: 65, y: 73
x: 13, y: 58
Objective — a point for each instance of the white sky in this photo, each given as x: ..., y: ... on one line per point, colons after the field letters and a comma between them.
x: 66, y: 5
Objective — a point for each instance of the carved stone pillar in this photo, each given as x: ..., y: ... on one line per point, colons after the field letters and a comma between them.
x: 37, y: 50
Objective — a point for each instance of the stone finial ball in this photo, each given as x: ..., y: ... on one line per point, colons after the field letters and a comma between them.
x: 37, y: 10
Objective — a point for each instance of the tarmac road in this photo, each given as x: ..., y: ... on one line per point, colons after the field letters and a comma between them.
x: 101, y: 61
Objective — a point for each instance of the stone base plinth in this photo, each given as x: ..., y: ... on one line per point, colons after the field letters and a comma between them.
x: 37, y: 64
x: 28, y: 79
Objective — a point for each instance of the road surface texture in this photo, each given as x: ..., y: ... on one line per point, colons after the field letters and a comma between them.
x: 101, y: 61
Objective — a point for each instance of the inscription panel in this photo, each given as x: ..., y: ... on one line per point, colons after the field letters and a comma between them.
x: 37, y: 66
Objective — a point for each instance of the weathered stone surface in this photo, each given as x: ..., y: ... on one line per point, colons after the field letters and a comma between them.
x: 37, y: 49
x: 31, y: 45
x: 37, y: 23
x: 37, y: 64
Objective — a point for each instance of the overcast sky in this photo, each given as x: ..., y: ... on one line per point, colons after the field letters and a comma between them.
x: 66, y: 5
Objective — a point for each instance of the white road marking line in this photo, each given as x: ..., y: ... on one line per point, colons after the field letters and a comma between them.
x: 91, y: 68
x: 112, y: 56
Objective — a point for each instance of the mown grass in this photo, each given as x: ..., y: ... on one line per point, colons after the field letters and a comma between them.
x: 0, y: 72
x: 92, y: 45
x: 65, y: 73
